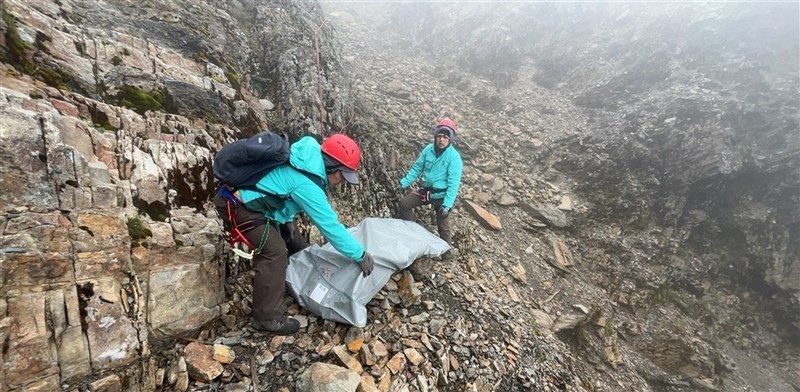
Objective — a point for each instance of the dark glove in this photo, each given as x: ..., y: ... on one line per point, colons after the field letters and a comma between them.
x: 366, y: 264
x: 289, y: 231
x: 444, y: 212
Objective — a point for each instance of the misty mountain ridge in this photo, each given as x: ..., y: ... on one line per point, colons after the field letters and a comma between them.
x: 642, y: 160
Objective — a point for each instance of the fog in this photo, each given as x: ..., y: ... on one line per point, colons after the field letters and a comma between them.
x: 496, y: 39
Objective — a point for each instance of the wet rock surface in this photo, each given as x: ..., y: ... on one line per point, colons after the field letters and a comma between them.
x: 618, y: 198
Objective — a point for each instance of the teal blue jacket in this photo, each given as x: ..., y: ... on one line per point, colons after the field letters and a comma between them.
x: 299, y: 193
x: 442, y: 172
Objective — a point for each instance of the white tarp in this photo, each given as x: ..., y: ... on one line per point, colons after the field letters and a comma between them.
x: 333, y: 287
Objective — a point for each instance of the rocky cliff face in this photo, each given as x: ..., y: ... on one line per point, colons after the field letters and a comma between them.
x: 643, y: 162
x: 110, y: 113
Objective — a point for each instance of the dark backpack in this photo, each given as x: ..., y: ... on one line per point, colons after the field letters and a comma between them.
x: 243, y: 163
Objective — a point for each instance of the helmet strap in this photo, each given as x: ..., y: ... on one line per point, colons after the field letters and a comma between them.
x: 331, y: 165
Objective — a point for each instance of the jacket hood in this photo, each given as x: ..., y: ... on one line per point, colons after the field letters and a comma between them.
x: 306, y: 154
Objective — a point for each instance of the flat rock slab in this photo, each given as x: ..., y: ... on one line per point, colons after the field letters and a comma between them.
x: 483, y: 216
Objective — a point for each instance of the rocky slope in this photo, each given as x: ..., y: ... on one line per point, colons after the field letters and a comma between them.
x: 659, y: 224
x: 112, y: 110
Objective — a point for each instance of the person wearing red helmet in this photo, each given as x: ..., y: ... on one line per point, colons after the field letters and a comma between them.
x: 270, y: 209
x: 440, y: 166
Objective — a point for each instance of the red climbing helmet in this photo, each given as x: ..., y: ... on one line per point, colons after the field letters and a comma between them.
x: 446, y: 126
x: 343, y: 149
x: 447, y: 122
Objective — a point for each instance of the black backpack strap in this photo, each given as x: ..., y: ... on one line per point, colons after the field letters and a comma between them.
x: 268, y: 202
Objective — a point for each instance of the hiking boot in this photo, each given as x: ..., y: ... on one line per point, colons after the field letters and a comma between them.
x: 281, y: 326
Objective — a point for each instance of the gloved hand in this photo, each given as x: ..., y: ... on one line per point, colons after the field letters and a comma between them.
x: 289, y: 231
x: 366, y: 264
x: 444, y: 212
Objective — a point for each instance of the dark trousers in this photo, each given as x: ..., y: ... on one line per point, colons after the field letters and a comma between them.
x: 269, y: 265
x: 412, y: 200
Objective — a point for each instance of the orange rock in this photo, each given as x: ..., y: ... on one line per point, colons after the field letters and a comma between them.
x: 347, y: 359
x: 485, y: 217
x: 397, y: 363
x: 354, y: 339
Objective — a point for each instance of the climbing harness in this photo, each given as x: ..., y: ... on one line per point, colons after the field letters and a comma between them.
x: 426, y: 193
x: 236, y: 234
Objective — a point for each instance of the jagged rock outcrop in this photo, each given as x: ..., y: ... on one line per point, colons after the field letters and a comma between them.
x: 110, y: 115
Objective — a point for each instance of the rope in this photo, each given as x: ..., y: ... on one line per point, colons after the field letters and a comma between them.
x: 264, y: 236
x: 319, y: 74
x: 319, y: 83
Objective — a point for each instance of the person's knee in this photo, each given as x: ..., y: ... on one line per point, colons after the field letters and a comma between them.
x: 406, y: 210
x: 406, y: 204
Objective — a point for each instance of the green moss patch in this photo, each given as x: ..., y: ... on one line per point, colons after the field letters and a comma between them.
x: 137, y: 229
x: 15, y: 48
x: 16, y: 53
x: 140, y: 100
x: 55, y: 78
x: 233, y: 77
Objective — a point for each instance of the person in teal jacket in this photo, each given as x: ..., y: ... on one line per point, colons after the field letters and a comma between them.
x: 268, y: 215
x: 440, y: 166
